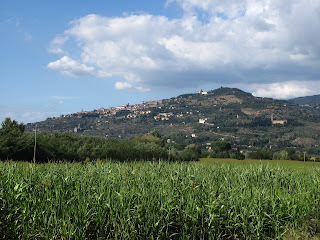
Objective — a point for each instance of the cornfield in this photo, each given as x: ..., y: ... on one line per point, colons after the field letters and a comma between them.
x: 154, y: 200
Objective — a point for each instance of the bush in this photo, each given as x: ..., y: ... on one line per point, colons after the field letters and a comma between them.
x: 193, y: 149
x: 220, y: 150
x: 260, y: 154
x: 236, y: 154
x: 282, y: 155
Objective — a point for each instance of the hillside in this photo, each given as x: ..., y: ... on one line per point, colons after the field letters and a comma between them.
x: 309, y: 100
x: 227, y: 114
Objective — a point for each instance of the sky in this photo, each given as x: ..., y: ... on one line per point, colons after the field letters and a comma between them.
x: 59, y: 57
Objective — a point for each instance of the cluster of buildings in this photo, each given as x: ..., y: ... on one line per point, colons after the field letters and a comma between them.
x: 136, y: 109
x: 202, y: 92
x: 133, y: 110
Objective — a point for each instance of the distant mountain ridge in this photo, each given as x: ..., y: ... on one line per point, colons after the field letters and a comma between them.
x: 224, y: 114
x: 311, y: 100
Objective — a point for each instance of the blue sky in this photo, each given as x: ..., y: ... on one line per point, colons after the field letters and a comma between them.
x: 60, y: 57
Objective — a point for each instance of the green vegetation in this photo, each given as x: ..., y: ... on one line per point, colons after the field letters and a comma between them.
x: 156, y: 200
x: 226, y: 114
x: 311, y: 100
x: 16, y: 145
x: 125, y: 186
x: 223, y: 150
x: 294, y: 165
x: 260, y: 154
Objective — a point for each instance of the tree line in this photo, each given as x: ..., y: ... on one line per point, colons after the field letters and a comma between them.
x: 15, y: 144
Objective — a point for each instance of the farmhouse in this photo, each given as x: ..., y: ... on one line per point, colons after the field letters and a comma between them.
x: 203, y: 121
x: 274, y: 122
x: 282, y: 122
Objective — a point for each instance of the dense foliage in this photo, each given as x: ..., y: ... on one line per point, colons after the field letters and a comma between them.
x: 16, y: 145
x: 155, y: 200
x: 260, y: 154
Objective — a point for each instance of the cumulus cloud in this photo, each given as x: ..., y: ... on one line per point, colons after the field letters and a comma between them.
x: 128, y: 86
x: 70, y: 67
x: 283, y: 90
x: 56, y: 43
x: 221, y: 42
x: 123, y: 85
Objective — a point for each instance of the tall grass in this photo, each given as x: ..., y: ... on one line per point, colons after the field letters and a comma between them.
x: 147, y: 200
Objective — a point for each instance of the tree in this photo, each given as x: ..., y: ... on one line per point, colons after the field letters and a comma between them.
x: 194, y: 149
x: 221, y: 146
x: 13, y: 128
x: 221, y: 150
x: 14, y: 144
x: 155, y: 133
x: 260, y: 154
x: 152, y: 137
x: 236, y: 154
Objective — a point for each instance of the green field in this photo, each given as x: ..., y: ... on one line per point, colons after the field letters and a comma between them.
x: 294, y: 165
x: 210, y: 199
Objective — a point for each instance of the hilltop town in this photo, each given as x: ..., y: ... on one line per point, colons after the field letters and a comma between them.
x: 224, y: 114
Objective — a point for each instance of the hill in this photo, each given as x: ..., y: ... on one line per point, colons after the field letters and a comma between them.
x: 224, y: 114
x: 309, y: 100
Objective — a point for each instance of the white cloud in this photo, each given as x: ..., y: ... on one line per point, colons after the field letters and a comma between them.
x: 58, y: 40
x: 123, y: 85
x: 142, y: 89
x: 221, y: 42
x: 70, y: 67
x: 128, y: 86
x: 284, y: 90
x: 27, y: 116
x: 56, y: 50
x: 226, y: 8
x: 56, y: 43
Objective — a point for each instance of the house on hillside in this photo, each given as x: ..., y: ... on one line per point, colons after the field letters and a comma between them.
x: 274, y: 122
x: 203, y: 121
x: 281, y: 122
x: 121, y: 107
x: 202, y: 92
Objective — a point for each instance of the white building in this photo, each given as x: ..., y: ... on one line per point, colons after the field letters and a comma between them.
x: 203, y: 121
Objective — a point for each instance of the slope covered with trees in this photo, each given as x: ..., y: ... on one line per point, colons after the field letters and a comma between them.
x: 224, y: 114
x: 310, y: 100
x: 16, y: 145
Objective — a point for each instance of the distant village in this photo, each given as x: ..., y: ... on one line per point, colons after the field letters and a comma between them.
x: 137, y: 110
x: 197, y: 117
x: 133, y: 111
